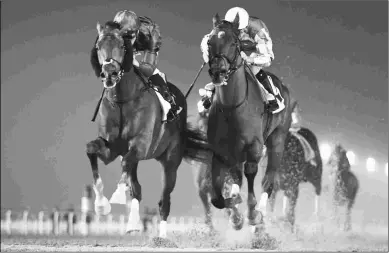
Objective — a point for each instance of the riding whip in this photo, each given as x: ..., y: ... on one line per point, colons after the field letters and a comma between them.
x: 197, y: 76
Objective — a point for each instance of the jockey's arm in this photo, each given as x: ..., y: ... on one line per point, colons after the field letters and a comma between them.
x: 264, y: 44
x: 152, y: 33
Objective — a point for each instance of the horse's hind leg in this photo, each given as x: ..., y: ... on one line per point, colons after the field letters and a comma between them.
x: 275, y: 149
x: 292, y: 195
x: 347, y: 222
x: 203, y: 193
x: 94, y: 149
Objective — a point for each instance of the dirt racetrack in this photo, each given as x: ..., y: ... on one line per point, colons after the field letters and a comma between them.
x: 321, y: 236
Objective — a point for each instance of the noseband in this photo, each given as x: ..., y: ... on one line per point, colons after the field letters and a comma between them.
x: 233, y: 66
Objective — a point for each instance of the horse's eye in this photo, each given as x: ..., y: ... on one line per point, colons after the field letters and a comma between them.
x: 114, y: 73
x: 102, y: 75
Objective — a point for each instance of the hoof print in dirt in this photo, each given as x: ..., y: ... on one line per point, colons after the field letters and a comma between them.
x: 162, y: 243
x: 264, y: 241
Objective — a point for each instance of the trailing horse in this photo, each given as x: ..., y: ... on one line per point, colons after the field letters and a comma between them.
x: 240, y: 125
x: 346, y: 184
x: 301, y: 162
x: 130, y: 125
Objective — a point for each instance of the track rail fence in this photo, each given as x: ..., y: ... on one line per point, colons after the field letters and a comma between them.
x: 82, y: 223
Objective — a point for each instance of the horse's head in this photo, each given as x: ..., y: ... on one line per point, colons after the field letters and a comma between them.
x: 111, y: 51
x: 296, y: 117
x: 338, y: 156
x: 224, y: 49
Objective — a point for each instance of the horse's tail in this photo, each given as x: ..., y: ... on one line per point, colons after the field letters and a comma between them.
x: 197, y: 147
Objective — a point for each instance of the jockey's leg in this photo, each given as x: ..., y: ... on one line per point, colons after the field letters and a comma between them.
x: 277, y: 103
x: 158, y: 79
x: 149, y: 69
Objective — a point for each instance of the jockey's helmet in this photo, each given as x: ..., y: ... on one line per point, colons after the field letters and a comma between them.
x: 128, y: 20
x: 243, y: 16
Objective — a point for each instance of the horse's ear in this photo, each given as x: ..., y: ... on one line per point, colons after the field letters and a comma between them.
x: 99, y: 28
x: 216, y: 20
x: 294, y: 105
x: 235, y: 23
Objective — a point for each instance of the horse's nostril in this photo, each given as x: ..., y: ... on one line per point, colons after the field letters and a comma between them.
x: 102, y: 75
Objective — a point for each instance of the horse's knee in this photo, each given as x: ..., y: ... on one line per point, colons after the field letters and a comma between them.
x: 250, y: 169
x: 92, y: 147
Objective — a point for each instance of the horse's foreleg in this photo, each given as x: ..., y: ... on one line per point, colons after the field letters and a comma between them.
x: 250, y: 171
x: 168, y: 184
x: 130, y: 178
x: 217, y: 198
x: 94, y: 149
x: 236, y: 217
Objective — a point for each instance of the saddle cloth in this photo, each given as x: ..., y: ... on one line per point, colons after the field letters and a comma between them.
x: 309, y: 153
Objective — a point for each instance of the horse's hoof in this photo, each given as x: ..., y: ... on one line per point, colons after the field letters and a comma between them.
x: 257, y: 229
x: 162, y: 242
x: 133, y: 227
x: 102, y: 206
x: 236, y: 221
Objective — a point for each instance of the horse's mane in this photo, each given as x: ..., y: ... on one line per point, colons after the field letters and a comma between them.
x: 128, y: 57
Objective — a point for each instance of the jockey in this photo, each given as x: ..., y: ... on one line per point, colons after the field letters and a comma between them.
x: 254, y: 31
x: 144, y: 35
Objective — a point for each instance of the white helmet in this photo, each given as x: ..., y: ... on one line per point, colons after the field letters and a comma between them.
x: 243, y: 16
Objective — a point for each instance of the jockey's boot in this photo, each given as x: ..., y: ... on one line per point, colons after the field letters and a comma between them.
x: 276, y: 101
x: 157, y: 80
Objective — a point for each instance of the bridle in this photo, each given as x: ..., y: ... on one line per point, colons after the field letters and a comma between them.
x: 233, y: 65
x: 116, y: 76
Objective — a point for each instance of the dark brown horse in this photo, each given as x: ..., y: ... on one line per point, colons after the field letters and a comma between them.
x: 240, y: 125
x: 130, y: 125
x: 301, y: 162
x: 345, y: 184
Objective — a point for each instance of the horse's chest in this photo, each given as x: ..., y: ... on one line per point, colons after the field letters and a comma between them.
x: 117, y: 123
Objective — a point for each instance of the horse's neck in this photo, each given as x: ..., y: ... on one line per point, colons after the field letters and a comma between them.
x: 129, y: 87
x: 234, y: 92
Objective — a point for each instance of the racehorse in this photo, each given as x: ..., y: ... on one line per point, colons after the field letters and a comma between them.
x: 301, y: 162
x: 240, y: 124
x: 346, y: 184
x: 130, y: 125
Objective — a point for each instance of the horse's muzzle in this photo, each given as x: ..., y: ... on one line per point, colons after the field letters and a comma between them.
x: 218, y: 76
x: 110, y: 80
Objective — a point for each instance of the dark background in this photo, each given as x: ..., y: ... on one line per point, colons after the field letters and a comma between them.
x: 333, y: 54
